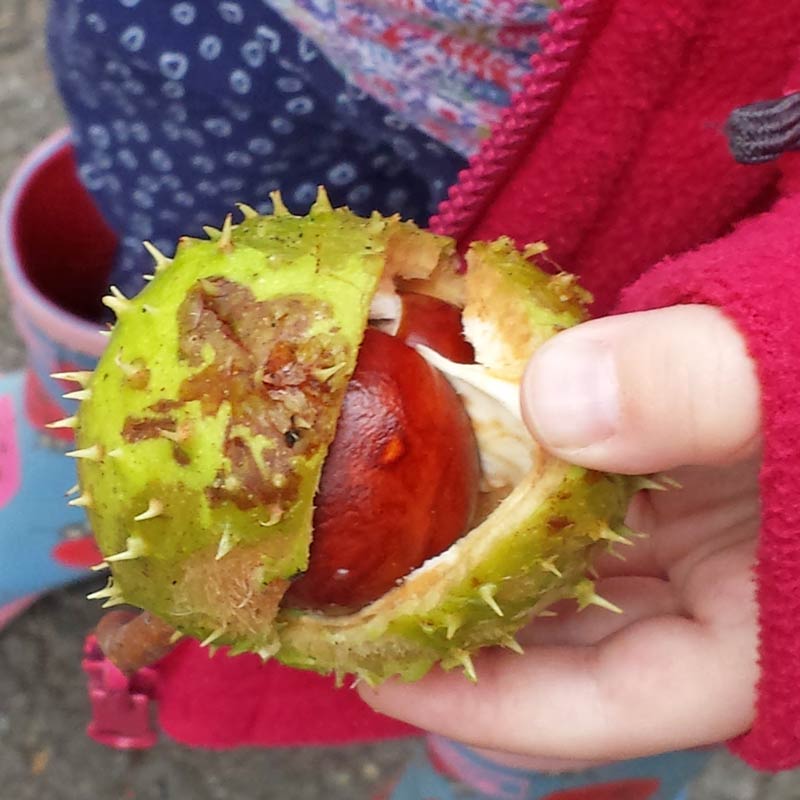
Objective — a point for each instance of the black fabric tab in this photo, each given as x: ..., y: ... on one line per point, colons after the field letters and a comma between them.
x: 762, y: 131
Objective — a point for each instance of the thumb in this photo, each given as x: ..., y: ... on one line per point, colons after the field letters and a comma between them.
x: 644, y: 392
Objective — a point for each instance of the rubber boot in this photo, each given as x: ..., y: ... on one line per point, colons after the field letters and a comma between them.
x: 55, y: 251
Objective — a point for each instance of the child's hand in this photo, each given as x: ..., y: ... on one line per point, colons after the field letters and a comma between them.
x: 640, y: 393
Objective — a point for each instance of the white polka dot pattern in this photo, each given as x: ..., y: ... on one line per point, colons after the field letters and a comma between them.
x: 184, y: 13
x: 199, y: 105
x: 231, y: 12
x: 133, y: 38
x: 210, y: 47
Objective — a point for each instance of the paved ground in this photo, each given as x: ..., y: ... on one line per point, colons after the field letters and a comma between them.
x: 43, y: 753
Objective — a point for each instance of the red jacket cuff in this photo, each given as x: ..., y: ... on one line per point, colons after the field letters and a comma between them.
x: 753, y: 275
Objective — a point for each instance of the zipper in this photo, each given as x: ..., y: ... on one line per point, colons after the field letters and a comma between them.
x: 519, y: 123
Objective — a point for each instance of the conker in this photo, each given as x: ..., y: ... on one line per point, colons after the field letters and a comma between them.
x: 400, y: 481
x: 436, y: 324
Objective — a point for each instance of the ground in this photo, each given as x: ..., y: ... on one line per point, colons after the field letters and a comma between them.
x: 43, y: 709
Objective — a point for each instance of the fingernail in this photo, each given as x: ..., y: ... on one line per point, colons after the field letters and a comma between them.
x: 571, y: 394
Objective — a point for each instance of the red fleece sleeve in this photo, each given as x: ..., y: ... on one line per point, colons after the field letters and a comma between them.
x: 753, y: 275
x: 223, y: 702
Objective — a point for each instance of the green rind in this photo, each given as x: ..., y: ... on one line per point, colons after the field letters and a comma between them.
x: 522, y: 304
x: 534, y: 548
x: 330, y: 258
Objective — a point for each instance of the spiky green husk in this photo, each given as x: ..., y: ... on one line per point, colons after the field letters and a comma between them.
x: 170, y: 474
x: 536, y: 548
x: 159, y: 472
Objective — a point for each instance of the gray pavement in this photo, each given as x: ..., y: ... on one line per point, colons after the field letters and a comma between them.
x: 44, y: 754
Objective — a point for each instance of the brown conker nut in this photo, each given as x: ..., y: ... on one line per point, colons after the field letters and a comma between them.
x: 400, y: 482
x: 429, y: 321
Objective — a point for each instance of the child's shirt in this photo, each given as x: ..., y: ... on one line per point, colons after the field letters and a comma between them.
x: 180, y: 109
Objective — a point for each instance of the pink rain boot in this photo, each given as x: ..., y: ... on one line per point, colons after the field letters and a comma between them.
x: 55, y: 252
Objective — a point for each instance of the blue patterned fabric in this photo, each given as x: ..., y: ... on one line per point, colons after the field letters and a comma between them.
x: 663, y: 777
x: 35, y: 520
x: 449, y: 66
x: 181, y: 109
